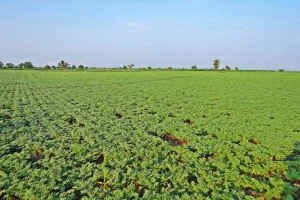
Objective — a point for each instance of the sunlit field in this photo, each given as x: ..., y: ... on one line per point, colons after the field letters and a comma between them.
x: 149, y: 135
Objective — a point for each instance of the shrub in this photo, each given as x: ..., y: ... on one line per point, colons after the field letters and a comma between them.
x: 28, y: 65
x: 227, y: 68
x: 47, y: 67
x: 80, y: 67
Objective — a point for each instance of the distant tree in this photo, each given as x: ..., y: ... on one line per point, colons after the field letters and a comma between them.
x: 63, y: 65
x: 281, y: 70
x: 236, y: 68
x: 130, y: 66
x: 149, y: 68
x: 124, y: 67
x: 194, y: 67
x: 1, y: 64
x: 80, y: 67
x: 159, y: 68
x: 73, y: 66
x: 28, y: 65
x: 21, y: 65
x: 47, y: 67
x: 86, y: 68
x: 53, y: 67
x: 170, y: 68
x: 227, y: 68
x: 217, y: 64
x: 9, y: 65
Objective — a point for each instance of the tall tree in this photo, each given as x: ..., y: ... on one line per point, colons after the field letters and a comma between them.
x: 194, y: 67
x: 21, y: 65
x: 53, y: 67
x: 73, y: 66
x: 9, y: 65
x: 80, y: 67
x: 227, y: 68
x: 63, y: 65
x: 47, y: 67
x: 1, y: 64
x: 130, y: 66
x: 217, y: 64
x: 28, y: 64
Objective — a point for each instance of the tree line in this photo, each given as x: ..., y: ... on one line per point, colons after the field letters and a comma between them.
x: 21, y: 65
x: 29, y: 65
x: 65, y: 65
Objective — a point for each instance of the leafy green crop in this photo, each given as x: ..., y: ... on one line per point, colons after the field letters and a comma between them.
x: 149, y: 135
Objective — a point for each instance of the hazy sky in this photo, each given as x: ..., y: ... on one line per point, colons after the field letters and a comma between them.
x: 250, y: 34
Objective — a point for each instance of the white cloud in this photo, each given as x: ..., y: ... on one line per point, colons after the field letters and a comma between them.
x: 137, y: 25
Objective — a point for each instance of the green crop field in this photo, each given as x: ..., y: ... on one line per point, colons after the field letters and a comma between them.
x: 149, y: 135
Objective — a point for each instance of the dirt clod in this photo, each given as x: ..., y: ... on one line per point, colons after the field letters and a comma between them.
x: 119, y: 115
x: 175, y: 141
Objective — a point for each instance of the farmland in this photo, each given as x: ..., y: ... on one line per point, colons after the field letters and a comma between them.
x: 149, y: 135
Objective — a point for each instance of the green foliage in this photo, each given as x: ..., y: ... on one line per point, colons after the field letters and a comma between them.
x: 159, y: 135
x: 63, y: 65
x: 194, y: 67
x: 21, y: 65
x: 292, y: 186
x: 130, y: 66
x: 47, y: 67
x: 5, y: 104
x: 81, y: 67
x: 28, y: 65
x: 9, y: 65
x: 217, y: 64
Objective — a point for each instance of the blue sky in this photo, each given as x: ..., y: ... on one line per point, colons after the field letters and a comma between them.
x: 250, y: 34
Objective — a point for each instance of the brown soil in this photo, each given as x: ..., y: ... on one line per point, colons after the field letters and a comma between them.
x: 100, y: 159
x: 253, y: 141
x: 139, y: 188
x: 189, y: 122
x: 175, y: 141
x: 119, y: 115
